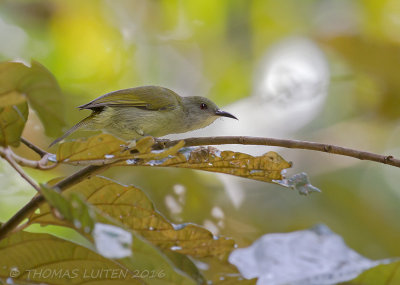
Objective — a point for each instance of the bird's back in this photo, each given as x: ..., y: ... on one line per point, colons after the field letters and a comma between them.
x: 152, y: 98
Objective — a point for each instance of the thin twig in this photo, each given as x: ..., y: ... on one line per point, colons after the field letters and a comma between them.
x: 328, y: 148
x: 21, y: 172
x: 35, y: 148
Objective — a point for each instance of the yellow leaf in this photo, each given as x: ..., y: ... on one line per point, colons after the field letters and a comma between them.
x: 105, y: 149
x: 103, y: 230
x: 94, y: 150
x: 266, y: 168
x: 161, y: 154
x: 144, y: 145
x: 131, y: 207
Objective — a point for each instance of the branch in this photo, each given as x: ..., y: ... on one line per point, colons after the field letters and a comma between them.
x: 328, y: 148
x: 36, y: 201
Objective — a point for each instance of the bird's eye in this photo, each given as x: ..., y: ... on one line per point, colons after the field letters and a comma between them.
x: 203, y: 106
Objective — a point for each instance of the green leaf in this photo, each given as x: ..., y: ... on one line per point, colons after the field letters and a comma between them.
x: 32, y: 257
x: 12, y: 122
x: 13, y: 106
x: 45, y: 97
x: 20, y: 83
x: 384, y: 274
x: 186, y: 264
x: 10, y: 76
x: 148, y: 258
x: 11, y: 98
x: 74, y: 209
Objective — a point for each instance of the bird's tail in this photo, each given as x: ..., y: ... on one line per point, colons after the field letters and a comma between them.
x: 79, y: 125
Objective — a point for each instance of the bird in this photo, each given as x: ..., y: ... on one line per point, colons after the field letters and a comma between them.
x: 133, y: 113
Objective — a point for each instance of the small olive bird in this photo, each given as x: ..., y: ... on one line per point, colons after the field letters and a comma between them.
x: 155, y: 111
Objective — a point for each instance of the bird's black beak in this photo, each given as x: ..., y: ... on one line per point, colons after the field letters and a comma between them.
x: 225, y: 114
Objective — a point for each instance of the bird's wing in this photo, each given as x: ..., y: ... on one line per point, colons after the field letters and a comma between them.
x: 145, y: 97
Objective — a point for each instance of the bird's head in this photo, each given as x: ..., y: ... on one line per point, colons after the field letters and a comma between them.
x: 201, y: 112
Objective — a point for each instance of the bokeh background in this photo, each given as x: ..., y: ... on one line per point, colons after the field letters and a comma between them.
x: 318, y: 70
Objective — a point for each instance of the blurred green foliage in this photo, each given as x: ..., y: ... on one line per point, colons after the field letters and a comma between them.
x: 214, y: 48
